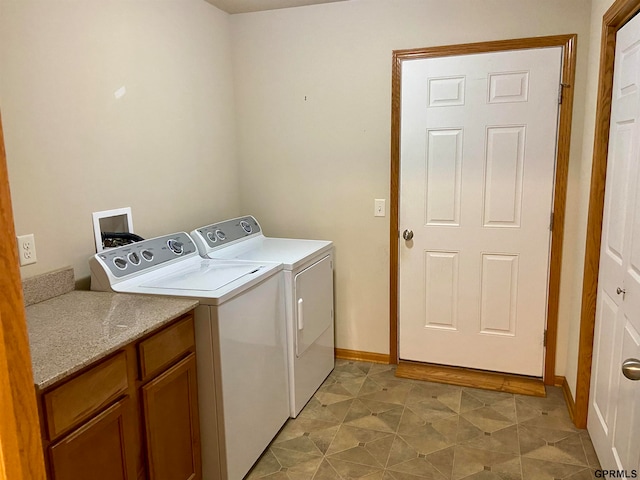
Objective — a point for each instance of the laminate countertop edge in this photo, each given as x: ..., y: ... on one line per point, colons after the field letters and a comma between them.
x: 78, y: 328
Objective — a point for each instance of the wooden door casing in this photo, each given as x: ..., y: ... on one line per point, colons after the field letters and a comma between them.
x: 620, y: 12
x: 613, y: 417
x: 568, y: 42
x: 21, y: 455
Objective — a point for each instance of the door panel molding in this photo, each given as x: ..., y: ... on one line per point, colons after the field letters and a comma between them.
x: 615, y: 18
x: 568, y: 42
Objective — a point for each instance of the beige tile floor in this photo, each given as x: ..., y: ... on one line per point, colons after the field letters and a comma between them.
x: 366, y: 423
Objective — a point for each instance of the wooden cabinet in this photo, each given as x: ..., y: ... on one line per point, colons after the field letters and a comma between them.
x: 165, y: 347
x: 132, y: 416
x: 170, y: 406
x: 98, y: 450
x: 80, y: 398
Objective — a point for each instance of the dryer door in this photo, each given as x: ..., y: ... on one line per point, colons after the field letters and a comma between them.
x: 313, y: 288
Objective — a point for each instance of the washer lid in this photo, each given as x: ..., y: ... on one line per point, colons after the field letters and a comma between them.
x: 290, y: 252
x: 207, y: 277
x: 212, y: 282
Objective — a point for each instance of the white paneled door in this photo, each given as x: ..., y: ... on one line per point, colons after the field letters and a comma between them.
x: 477, y: 163
x: 614, y: 400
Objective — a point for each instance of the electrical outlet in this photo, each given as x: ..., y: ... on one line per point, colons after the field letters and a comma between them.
x: 379, y: 207
x: 27, y: 249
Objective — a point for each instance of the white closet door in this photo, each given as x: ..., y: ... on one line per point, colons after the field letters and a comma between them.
x: 614, y: 402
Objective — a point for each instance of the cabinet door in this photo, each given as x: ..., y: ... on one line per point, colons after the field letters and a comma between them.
x: 98, y: 450
x: 170, y: 405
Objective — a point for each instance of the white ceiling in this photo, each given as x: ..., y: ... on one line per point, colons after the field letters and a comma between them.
x: 244, y: 6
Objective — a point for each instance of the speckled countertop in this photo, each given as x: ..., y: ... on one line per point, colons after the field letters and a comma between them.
x: 74, y: 329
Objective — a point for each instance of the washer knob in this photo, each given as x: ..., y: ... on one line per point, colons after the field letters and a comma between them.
x: 175, y: 246
x: 134, y: 258
x: 147, y: 255
x: 211, y: 236
x: 220, y: 234
x: 120, y: 262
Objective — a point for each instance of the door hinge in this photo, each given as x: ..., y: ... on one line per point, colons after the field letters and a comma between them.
x: 551, y: 222
x: 560, y: 92
x: 544, y: 339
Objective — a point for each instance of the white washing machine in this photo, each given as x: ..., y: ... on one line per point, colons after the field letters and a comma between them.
x: 240, y: 333
x: 308, y: 273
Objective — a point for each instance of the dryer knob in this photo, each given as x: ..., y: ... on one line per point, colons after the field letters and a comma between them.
x: 245, y: 226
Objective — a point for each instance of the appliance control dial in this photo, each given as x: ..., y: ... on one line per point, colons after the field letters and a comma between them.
x: 245, y: 226
x: 120, y: 263
x: 220, y: 234
x: 134, y: 258
x: 175, y: 246
x: 147, y: 255
x: 211, y: 236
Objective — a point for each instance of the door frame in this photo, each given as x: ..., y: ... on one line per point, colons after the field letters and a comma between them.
x: 615, y: 18
x: 568, y: 42
x: 21, y: 455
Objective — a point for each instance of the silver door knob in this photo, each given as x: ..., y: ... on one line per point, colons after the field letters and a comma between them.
x: 407, y: 234
x: 631, y: 368
x: 620, y: 290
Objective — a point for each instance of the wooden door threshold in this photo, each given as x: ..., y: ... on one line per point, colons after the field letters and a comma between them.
x: 467, y: 377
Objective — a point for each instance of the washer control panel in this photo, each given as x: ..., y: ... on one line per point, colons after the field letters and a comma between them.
x: 218, y: 234
x: 136, y: 257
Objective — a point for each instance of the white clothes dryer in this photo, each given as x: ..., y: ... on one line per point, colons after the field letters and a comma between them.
x: 308, y: 273
x: 241, y: 351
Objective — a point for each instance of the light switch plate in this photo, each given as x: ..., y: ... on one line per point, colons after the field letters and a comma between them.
x: 380, y: 209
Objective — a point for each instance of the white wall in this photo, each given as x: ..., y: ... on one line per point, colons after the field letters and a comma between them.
x: 313, y: 88
x: 313, y: 102
x: 166, y: 148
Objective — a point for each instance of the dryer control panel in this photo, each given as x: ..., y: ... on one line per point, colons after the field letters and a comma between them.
x: 229, y: 231
x: 146, y: 254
